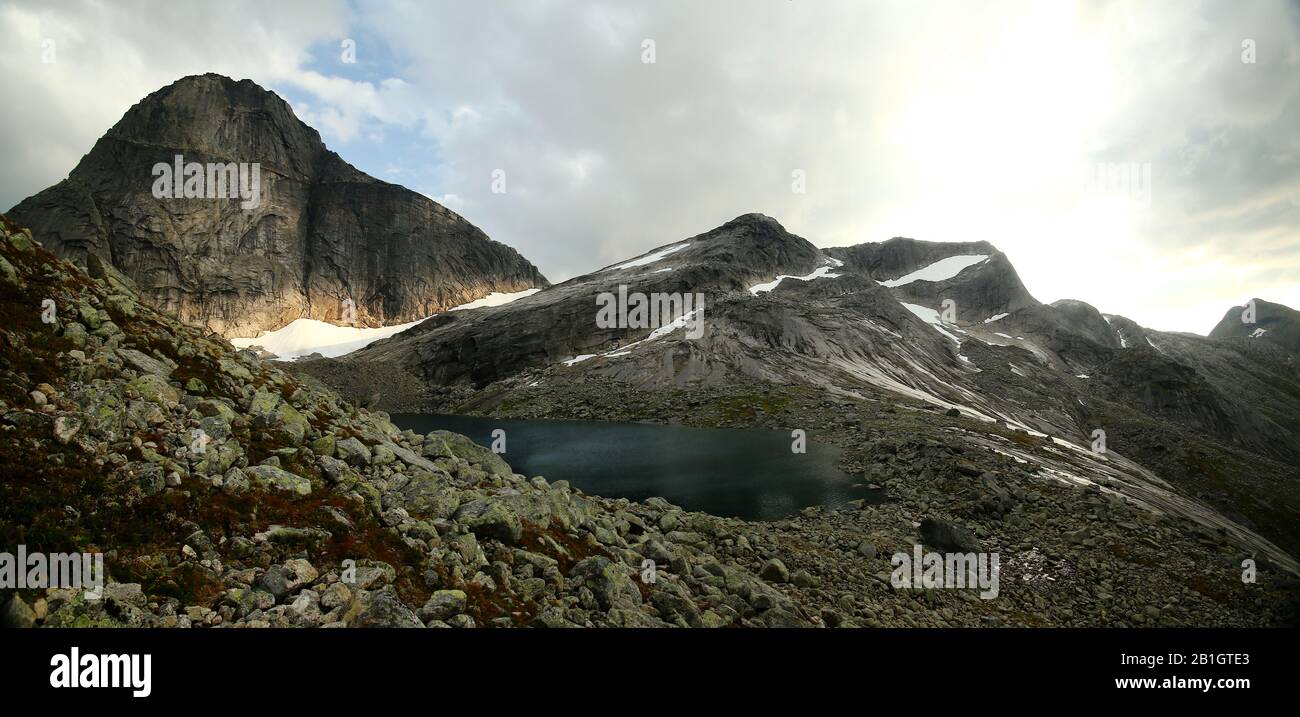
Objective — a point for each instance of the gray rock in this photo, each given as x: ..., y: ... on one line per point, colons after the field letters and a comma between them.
x: 125, y: 594
x: 353, y: 451
x: 867, y: 550
x: 490, y: 519
x: 608, y: 582
x: 774, y: 571
x: 442, y: 605
x: 385, y: 609
x: 279, y: 479
x: 16, y: 613
x: 947, y: 537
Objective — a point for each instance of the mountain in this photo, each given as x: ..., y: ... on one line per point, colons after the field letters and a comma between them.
x: 318, y: 234
x: 975, y: 275
x: 1261, y: 320
x: 1202, y: 426
x: 225, y: 491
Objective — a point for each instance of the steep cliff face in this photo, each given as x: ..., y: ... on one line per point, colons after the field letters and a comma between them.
x: 318, y: 239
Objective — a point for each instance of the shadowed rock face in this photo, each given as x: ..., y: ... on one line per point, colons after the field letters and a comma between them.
x: 1273, y: 322
x: 322, y: 235
x: 980, y: 291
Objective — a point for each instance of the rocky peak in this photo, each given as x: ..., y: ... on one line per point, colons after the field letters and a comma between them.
x: 222, y: 118
x: 1276, y: 323
x: 980, y: 288
x: 324, y: 241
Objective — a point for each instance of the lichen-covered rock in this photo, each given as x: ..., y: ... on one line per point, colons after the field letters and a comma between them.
x: 383, y: 608
x: 491, y: 519
x: 608, y: 581
x: 442, y: 605
x: 353, y: 451
x: 278, y: 479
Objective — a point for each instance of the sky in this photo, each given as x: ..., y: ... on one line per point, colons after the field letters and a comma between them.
x: 1141, y: 156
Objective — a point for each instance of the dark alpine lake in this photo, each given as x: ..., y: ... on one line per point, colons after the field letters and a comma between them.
x: 742, y: 473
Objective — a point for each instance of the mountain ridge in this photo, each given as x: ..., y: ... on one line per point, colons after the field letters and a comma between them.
x: 1062, y: 370
x: 327, y: 241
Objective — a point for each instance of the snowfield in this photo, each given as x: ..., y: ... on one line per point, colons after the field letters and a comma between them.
x: 496, y: 298
x: 941, y: 270
x: 652, y: 258
x: 303, y: 337
x: 819, y: 273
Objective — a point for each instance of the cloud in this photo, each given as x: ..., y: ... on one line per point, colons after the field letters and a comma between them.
x: 948, y: 121
x: 108, y: 56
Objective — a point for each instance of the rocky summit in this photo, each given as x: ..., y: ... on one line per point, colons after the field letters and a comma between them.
x: 225, y: 491
x: 1259, y: 319
x: 317, y: 238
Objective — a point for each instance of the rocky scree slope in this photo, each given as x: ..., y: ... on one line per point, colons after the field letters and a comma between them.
x: 251, y: 525
x: 224, y: 492
x: 323, y: 234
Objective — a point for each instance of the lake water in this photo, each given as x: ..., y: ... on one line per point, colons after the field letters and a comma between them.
x: 748, y: 473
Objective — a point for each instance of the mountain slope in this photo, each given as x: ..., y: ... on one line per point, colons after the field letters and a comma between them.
x: 322, y: 234
x: 1272, y: 322
x: 1183, y: 404
x: 225, y: 492
x: 100, y: 411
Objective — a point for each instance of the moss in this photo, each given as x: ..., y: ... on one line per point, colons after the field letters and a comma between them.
x: 572, y: 550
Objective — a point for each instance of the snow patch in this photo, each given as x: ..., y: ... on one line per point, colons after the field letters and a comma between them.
x: 939, y: 271
x: 303, y: 337
x: 496, y: 298
x: 818, y: 273
x: 1258, y: 333
x: 931, y: 317
x: 678, y: 323
x: 996, y: 317
x: 652, y: 258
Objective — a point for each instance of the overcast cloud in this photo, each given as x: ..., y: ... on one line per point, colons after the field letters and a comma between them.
x: 946, y: 121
